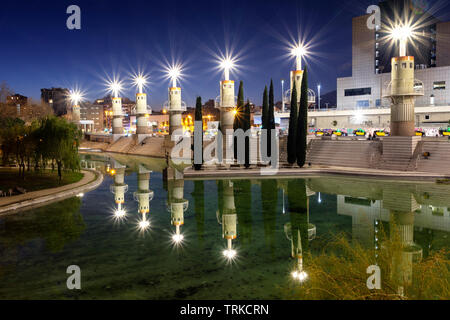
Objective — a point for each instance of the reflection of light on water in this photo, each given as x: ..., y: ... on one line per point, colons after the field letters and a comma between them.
x: 143, y: 225
x: 230, y: 254
x: 299, y: 275
x: 120, y: 213
x: 319, y: 199
x: 177, y: 238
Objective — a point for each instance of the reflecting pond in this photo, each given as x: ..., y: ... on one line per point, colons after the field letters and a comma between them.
x: 139, y: 236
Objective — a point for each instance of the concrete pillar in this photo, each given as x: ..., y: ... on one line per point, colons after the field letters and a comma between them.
x: 117, y: 125
x: 175, y: 109
x: 141, y: 111
x: 402, y: 97
x: 76, y: 114
x: 227, y: 106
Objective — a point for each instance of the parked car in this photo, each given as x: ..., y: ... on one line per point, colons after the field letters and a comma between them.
x: 359, y: 132
x: 380, y: 133
x: 420, y: 133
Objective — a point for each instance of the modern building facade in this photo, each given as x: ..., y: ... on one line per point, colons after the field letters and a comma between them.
x: 93, y: 112
x: 371, y: 64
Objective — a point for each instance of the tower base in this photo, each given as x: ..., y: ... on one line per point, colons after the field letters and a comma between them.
x: 403, y: 128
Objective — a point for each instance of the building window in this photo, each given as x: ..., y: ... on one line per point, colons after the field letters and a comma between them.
x: 427, y: 117
x: 362, y: 103
x: 439, y: 85
x: 378, y: 102
x: 357, y: 92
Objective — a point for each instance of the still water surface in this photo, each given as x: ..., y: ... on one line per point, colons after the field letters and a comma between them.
x: 224, y: 239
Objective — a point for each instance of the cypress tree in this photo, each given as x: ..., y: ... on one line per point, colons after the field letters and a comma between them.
x: 292, y: 133
x: 265, y: 109
x: 239, y: 117
x: 270, y: 120
x: 302, y: 126
x: 199, y: 117
x: 247, y: 139
x: 271, y: 117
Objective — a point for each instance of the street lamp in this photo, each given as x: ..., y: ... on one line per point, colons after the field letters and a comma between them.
x: 227, y: 65
x: 140, y: 82
x: 318, y: 89
x: 75, y: 96
x: 115, y: 86
x: 282, y: 95
x: 174, y: 73
x: 298, y: 52
x: 402, y: 33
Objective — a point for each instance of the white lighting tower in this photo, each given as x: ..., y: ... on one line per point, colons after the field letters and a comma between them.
x: 117, y: 125
x: 76, y: 97
x: 175, y: 105
x: 297, y: 75
x: 142, y: 128
x: 403, y: 87
x: 227, y: 104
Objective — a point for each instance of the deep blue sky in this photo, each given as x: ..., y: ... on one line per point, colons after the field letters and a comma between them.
x: 119, y: 37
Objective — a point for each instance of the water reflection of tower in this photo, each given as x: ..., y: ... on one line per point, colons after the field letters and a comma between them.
x: 143, y: 195
x: 119, y: 188
x: 299, y: 231
x: 227, y: 105
x: 177, y: 205
x: 402, y: 207
x: 227, y: 217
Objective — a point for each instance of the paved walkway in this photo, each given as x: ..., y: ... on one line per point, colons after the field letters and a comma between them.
x: 214, y: 172
x: 90, y: 181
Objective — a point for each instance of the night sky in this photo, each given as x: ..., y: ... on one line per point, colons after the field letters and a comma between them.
x: 123, y: 37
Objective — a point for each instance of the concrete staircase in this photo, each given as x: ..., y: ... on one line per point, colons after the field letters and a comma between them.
x: 150, y: 146
x: 122, y: 145
x: 344, y: 153
x: 398, y: 153
x: 439, y: 159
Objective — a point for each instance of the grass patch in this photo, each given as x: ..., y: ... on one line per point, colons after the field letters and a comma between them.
x: 34, y: 181
x: 339, y: 273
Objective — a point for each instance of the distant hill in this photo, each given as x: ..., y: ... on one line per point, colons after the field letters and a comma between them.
x: 330, y: 98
